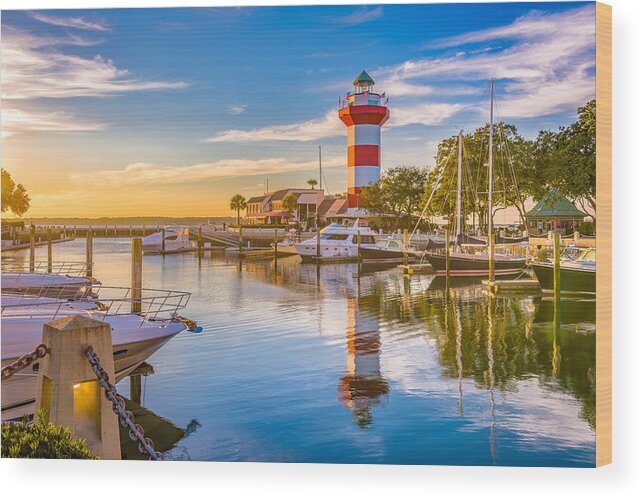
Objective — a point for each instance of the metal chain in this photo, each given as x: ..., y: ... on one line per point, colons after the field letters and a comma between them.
x: 24, y: 361
x: 126, y: 418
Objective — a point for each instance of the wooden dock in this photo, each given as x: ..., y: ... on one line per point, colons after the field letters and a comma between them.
x: 17, y: 247
x: 515, y: 286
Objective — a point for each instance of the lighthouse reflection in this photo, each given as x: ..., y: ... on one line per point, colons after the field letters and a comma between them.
x: 362, y: 387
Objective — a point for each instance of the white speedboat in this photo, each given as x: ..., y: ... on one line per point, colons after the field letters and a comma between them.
x: 177, y: 240
x: 134, y: 336
x: 337, y: 241
x: 42, y: 284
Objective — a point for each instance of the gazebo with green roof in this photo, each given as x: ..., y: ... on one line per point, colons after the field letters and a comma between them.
x: 554, y: 212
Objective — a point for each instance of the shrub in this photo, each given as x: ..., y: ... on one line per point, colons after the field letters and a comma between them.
x: 42, y: 440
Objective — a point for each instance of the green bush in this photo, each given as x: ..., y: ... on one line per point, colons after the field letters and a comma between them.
x: 41, y: 440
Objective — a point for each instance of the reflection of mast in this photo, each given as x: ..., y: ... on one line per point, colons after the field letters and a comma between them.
x: 555, y: 355
x: 458, y: 354
x: 490, y: 356
x: 362, y: 387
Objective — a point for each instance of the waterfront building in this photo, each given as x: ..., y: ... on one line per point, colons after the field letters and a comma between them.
x: 554, y: 212
x: 268, y: 209
x: 364, y: 112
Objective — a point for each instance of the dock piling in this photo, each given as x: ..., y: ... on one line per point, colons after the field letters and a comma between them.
x: 447, y: 251
x: 557, y: 266
x: 89, y: 253
x: 406, y: 246
x: 49, y: 252
x: 318, y: 245
x: 240, y: 239
x: 32, y: 248
x: 163, y: 242
x: 492, y: 252
x: 137, y: 274
x: 276, y: 240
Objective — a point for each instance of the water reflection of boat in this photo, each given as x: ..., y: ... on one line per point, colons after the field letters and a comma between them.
x: 577, y: 272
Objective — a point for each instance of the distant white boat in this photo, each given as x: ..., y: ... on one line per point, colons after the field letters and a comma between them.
x: 177, y: 240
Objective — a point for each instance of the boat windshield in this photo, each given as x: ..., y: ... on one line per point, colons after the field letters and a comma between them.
x: 334, y: 237
x: 587, y: 256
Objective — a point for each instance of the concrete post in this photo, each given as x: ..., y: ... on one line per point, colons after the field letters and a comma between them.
x: 67, y: 390
x: 576, y: 237
x: 137, y: 274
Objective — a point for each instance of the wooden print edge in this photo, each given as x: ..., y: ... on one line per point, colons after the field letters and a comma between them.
x: 604, y: 234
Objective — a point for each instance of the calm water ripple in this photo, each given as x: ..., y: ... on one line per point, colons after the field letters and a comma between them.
x: 296, y: 365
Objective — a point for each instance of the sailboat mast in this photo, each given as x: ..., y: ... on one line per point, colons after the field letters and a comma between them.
x: 321, y: 186
x: 490, y: 222
x: 459, y: 206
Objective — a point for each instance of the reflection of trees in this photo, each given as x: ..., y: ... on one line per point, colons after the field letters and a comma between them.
x: 522, y: 347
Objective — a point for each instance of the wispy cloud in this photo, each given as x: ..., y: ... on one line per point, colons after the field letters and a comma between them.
x: 70, y: 22
x: 148, y: 173
x: 329, y: 125
x: 326, y: 126
x: 362, y: 15
x: 549, y: 69
x: 32, y: 69
x: 239, y: 109
x: 15, y: 121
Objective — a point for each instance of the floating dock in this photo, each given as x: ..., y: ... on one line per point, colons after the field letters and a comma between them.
x: 515, y: 286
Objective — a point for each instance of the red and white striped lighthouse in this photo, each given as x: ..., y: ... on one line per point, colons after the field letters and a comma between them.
x: 364, y: 113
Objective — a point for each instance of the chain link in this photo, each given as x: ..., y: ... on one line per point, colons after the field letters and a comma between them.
x: 126, y: 418
x: 24, y: 361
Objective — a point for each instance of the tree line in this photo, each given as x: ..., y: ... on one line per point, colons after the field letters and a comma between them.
x: 523, y: 169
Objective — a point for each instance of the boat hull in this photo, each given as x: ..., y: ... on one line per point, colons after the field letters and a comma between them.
x: 131, y: 347
x: 571, y: 280
x: 470, y: 266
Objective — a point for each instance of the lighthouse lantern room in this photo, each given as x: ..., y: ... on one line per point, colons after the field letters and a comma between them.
x: 364, y: 112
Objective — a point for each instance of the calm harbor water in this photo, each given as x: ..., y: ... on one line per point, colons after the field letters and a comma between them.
x: 300, y: 365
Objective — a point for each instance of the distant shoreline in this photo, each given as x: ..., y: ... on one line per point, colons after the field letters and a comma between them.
x: 127, y: 221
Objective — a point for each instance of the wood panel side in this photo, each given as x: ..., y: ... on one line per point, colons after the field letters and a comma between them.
x: 604, y: 234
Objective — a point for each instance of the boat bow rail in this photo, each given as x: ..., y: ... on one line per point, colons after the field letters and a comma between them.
x: 150, y: 304
x: 68, y: 269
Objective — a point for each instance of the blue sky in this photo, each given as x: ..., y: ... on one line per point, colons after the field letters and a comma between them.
x: 172, y: 111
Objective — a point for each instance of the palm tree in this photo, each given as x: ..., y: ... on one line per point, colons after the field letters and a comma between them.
x: 238, y: 202
x: 312, y: 183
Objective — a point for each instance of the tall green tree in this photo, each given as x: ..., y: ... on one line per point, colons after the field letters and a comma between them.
x: 513, y: 167
x: 312, y: 183
x: 398, y: 193
x: 14, y: 196
x: 238, y: 203
x: 568, y: 157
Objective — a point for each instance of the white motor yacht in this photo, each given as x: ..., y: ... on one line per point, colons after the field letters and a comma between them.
x: 337, y: 241
x: 177, y: 240
x: 135, y: 336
